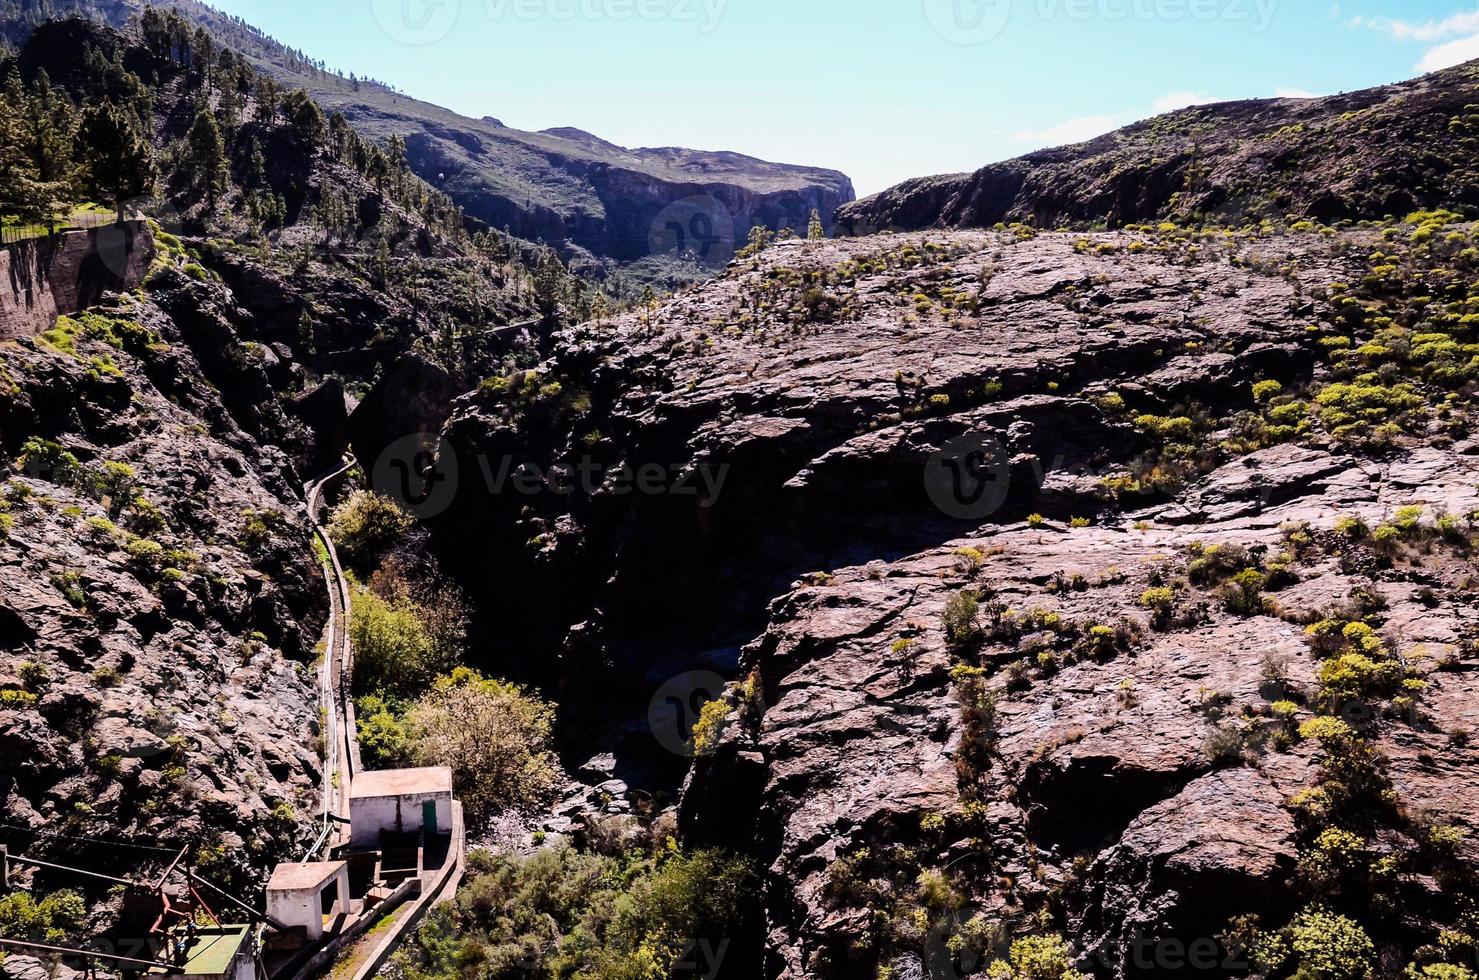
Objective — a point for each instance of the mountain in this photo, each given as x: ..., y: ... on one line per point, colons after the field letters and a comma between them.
x: 950, y: 603
x: 159, y: 597
x: 562, y: 186
x: 1084, y: 595
x: 1385, y: 151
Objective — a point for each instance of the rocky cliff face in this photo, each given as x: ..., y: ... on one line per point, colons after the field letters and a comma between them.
x: 159, y: 599
x: 810, y: 389
x: 608, y: 200
x: 1120, y: 585
x: 67, y: 272
x: 1344, y: 157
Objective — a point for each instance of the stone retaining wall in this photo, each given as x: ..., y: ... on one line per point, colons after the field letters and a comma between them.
x: 26, y: 304
x: 47, y: 277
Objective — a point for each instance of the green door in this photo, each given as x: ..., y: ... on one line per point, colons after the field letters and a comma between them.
x: 429, y: 818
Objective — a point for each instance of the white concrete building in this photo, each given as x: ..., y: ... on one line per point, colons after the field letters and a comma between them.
x: 295, y: 894
x: 401, y: 801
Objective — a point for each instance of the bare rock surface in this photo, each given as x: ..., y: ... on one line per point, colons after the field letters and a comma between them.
x: 1133, y: 768
x: 159, y: 600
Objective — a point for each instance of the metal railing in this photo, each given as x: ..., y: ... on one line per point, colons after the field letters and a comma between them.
x: 12, y: 234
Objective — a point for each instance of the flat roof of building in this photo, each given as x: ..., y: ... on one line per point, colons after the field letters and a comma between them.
x: 294, y: 876
x: 400, y: 782
x: 213, y: 951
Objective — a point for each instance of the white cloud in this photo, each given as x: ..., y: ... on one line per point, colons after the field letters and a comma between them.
x: 1172, y: 101
x: 1294, y: 93
x: 1075, y: 130
x: 1450, y: 54
x: 1462, y: 28
x: 1427, y: 31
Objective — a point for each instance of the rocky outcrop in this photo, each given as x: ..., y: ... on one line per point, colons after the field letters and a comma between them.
x: 159, y: 600
x: 412, y: 397
x: 1131, y: 782
x: 810, y: 430
x: 68, y: 272
x: 1107, y: 761
x: 1341, y: 157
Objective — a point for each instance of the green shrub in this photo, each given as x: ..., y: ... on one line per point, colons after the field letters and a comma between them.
x: 494, y: 736
x: 960, y: 620
x: 366, y: 525
x: 562, y: 913
x: 1264, y: 391
x: 1161, y: 601
x: 258, y: 527
x: 1328, y: 946
x: 1326, y: 730
x: 145, y: 556
x: 395, y: 653
x: 145, y: 517
x: 34, y: 675
x: 1180, y: 429
x: 1352, y: 676
x: 17, y: 700
x: 708, y: 731
x: 1036, y: 958
x: 384, y: 741
x: 1217, y: 563
x: 1439, y: 971
x: 69, y: 584
x: 1243, y: 596
x: 51, y: 919
x: 48, y: 460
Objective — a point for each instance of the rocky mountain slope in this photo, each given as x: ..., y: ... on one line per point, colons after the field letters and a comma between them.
x: 564, y: 187
x: 1195, y: 677
x: 160, y: 602
x: 159, y: 598
x: 1383, y: 152
x: 1090, y: 603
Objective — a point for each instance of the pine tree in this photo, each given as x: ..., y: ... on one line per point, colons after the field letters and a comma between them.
x: 549, y: 281
x: 380, y: 262
x: 269, y: 94
x: 20, y: 191
x: 814, y: 230
x: 304, y: 116
x: 395, y: 152
x: 256, y: 172
x: 761, y: 238
x: 120, y: 161
x: 206, y: 155
x: 52, y: 124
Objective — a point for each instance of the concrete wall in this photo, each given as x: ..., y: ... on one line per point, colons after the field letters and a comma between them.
x: 44, y: 278
x: 400, y: 814
x: 304, y: 906
x: 27, y: 307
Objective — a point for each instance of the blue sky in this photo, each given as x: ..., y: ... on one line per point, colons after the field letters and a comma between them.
x: 880, y: 89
